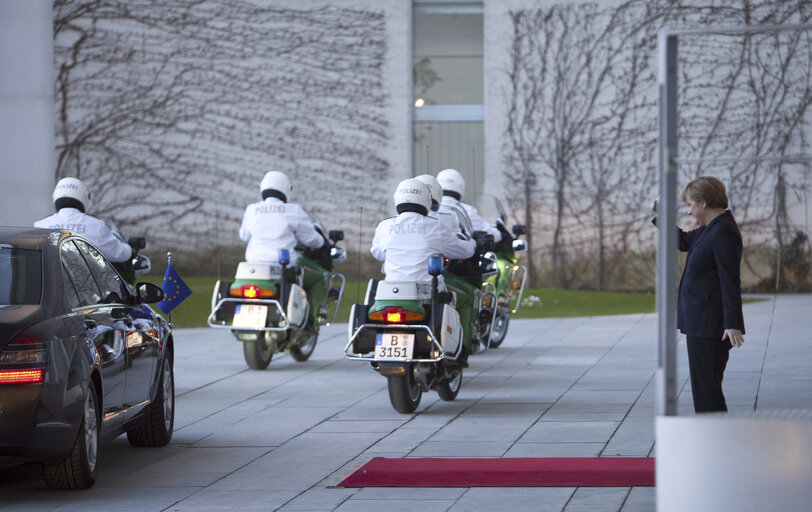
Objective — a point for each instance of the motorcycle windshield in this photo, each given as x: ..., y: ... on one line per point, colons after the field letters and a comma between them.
x: 490, y: 208
x: 316, y: 221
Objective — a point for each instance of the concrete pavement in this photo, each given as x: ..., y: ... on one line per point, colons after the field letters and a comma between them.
x: 280, y: 439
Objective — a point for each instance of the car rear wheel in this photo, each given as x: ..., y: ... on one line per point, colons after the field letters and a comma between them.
x: 155, y: 427
x: 77, y: 469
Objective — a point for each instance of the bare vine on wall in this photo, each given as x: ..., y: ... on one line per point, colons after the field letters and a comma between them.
x: 582, y: 122
x: 172, y: 111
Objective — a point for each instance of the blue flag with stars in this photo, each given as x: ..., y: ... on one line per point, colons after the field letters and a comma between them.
x: 175, y: 289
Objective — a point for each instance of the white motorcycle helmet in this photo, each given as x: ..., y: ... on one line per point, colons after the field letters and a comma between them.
x: 452, y: 182
x: 412, y: 196
x: 276, y: 184
x: 70, y: 193
x: 435, y: 189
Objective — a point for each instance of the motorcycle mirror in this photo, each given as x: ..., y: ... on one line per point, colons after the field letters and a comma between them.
x: 284, y: 257
x: 336, y: 235
x: 435, y: 265
x: 136, y: 242
x: 519, y: 245
x: 519, y: 229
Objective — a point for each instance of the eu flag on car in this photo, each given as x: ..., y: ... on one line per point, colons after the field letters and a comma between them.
x: 175, y: 289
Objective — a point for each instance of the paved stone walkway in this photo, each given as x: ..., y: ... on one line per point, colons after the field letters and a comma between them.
x: 280, y: 439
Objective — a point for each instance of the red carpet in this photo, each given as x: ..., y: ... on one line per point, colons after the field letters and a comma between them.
x: 512, y: 472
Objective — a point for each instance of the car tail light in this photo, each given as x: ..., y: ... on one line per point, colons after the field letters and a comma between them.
x: 251, y: 291
x: 395, y: 315
x: 23, y: 360
x: 21, y: 376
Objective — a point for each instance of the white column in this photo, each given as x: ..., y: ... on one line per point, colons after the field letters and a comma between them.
x: 27, y: 156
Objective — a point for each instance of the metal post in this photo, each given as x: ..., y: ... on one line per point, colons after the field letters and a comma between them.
x: 168, y: 264
x: 666, y: 221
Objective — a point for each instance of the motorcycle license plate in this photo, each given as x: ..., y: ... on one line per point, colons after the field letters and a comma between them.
x: 250, y: 315
x: 394, y: 346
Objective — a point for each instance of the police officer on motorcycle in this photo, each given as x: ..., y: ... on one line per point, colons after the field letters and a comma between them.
x: 274, y: 224
x: 453, y: 188
x: 406, y: 242
x: 71, y: 201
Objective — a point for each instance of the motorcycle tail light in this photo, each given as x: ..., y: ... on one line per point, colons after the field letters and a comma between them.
x: 395, y: 315
x: 23, y: 360
x: 252, y: 291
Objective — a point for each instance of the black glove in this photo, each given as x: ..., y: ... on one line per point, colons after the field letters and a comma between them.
x: 484, y: 241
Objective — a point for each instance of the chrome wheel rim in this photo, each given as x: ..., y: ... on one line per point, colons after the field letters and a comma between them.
x: 169, y: 396
x: 91, y: 431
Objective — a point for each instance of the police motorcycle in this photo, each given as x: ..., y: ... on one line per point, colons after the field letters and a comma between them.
x: 411, y: 333
x: 510, y: 279
x: 468, y: 280
x: 266, y: 306
x: 137, y: 265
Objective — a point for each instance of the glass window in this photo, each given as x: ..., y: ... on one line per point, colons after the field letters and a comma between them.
x: 110, y: 284
x: 448, y: 63
x: 70, y: 289
x: 440, y: 145
x: 20, y: 276
x: 79, y: 274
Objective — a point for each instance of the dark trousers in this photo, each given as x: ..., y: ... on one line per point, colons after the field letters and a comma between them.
x: 707, y: 359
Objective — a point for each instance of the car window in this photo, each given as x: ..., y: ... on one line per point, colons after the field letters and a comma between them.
x: 70, y: 289
x: 20, y: 276
x: 110, y: 284
x: 79, y: 274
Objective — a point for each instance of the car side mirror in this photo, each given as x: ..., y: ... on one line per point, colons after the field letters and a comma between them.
x: 519, y: 229
x: 336, y: 235
x: 149, y: 293
x: 136, y: 242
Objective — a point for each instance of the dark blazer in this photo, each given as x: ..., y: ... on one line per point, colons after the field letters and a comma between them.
x: 710, y: 298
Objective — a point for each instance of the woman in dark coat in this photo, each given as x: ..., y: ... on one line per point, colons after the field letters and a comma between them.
x: 709, y: 310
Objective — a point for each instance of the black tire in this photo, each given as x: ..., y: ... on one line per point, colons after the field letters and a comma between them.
x: 258, y: 354
x: 404, y: 393
x: 155, y: 427
x: 302, y: 352
x: 500, y: 326
x: 77, y: 469
x: 449, y: 388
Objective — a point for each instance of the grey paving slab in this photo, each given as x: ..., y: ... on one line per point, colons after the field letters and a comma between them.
x: 283, y: 438
x: 515, y: 499
x: 587, y: 499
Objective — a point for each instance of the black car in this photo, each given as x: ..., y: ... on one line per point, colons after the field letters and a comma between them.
x: 83, y: 359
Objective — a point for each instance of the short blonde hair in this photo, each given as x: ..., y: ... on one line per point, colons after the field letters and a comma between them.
x: 706, y: 189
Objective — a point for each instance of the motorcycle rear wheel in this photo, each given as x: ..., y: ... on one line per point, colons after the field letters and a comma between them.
x: 304, y: 351
x: 258, y: 353
x: 449, y: 388
x: 404, y: 392
x: 500, y: 326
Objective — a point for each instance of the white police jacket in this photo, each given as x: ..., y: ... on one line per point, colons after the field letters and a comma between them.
x: 447, y: 205
x: 272, y: 225
x: 100, y: 233
x: 406, y: 242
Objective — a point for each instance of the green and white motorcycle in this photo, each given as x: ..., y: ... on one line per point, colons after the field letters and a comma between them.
x: 266, y: 306
x: 511, y: 277
x: 411, y: 337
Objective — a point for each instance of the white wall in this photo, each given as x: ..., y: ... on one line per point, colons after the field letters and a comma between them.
x: 26, y: 111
